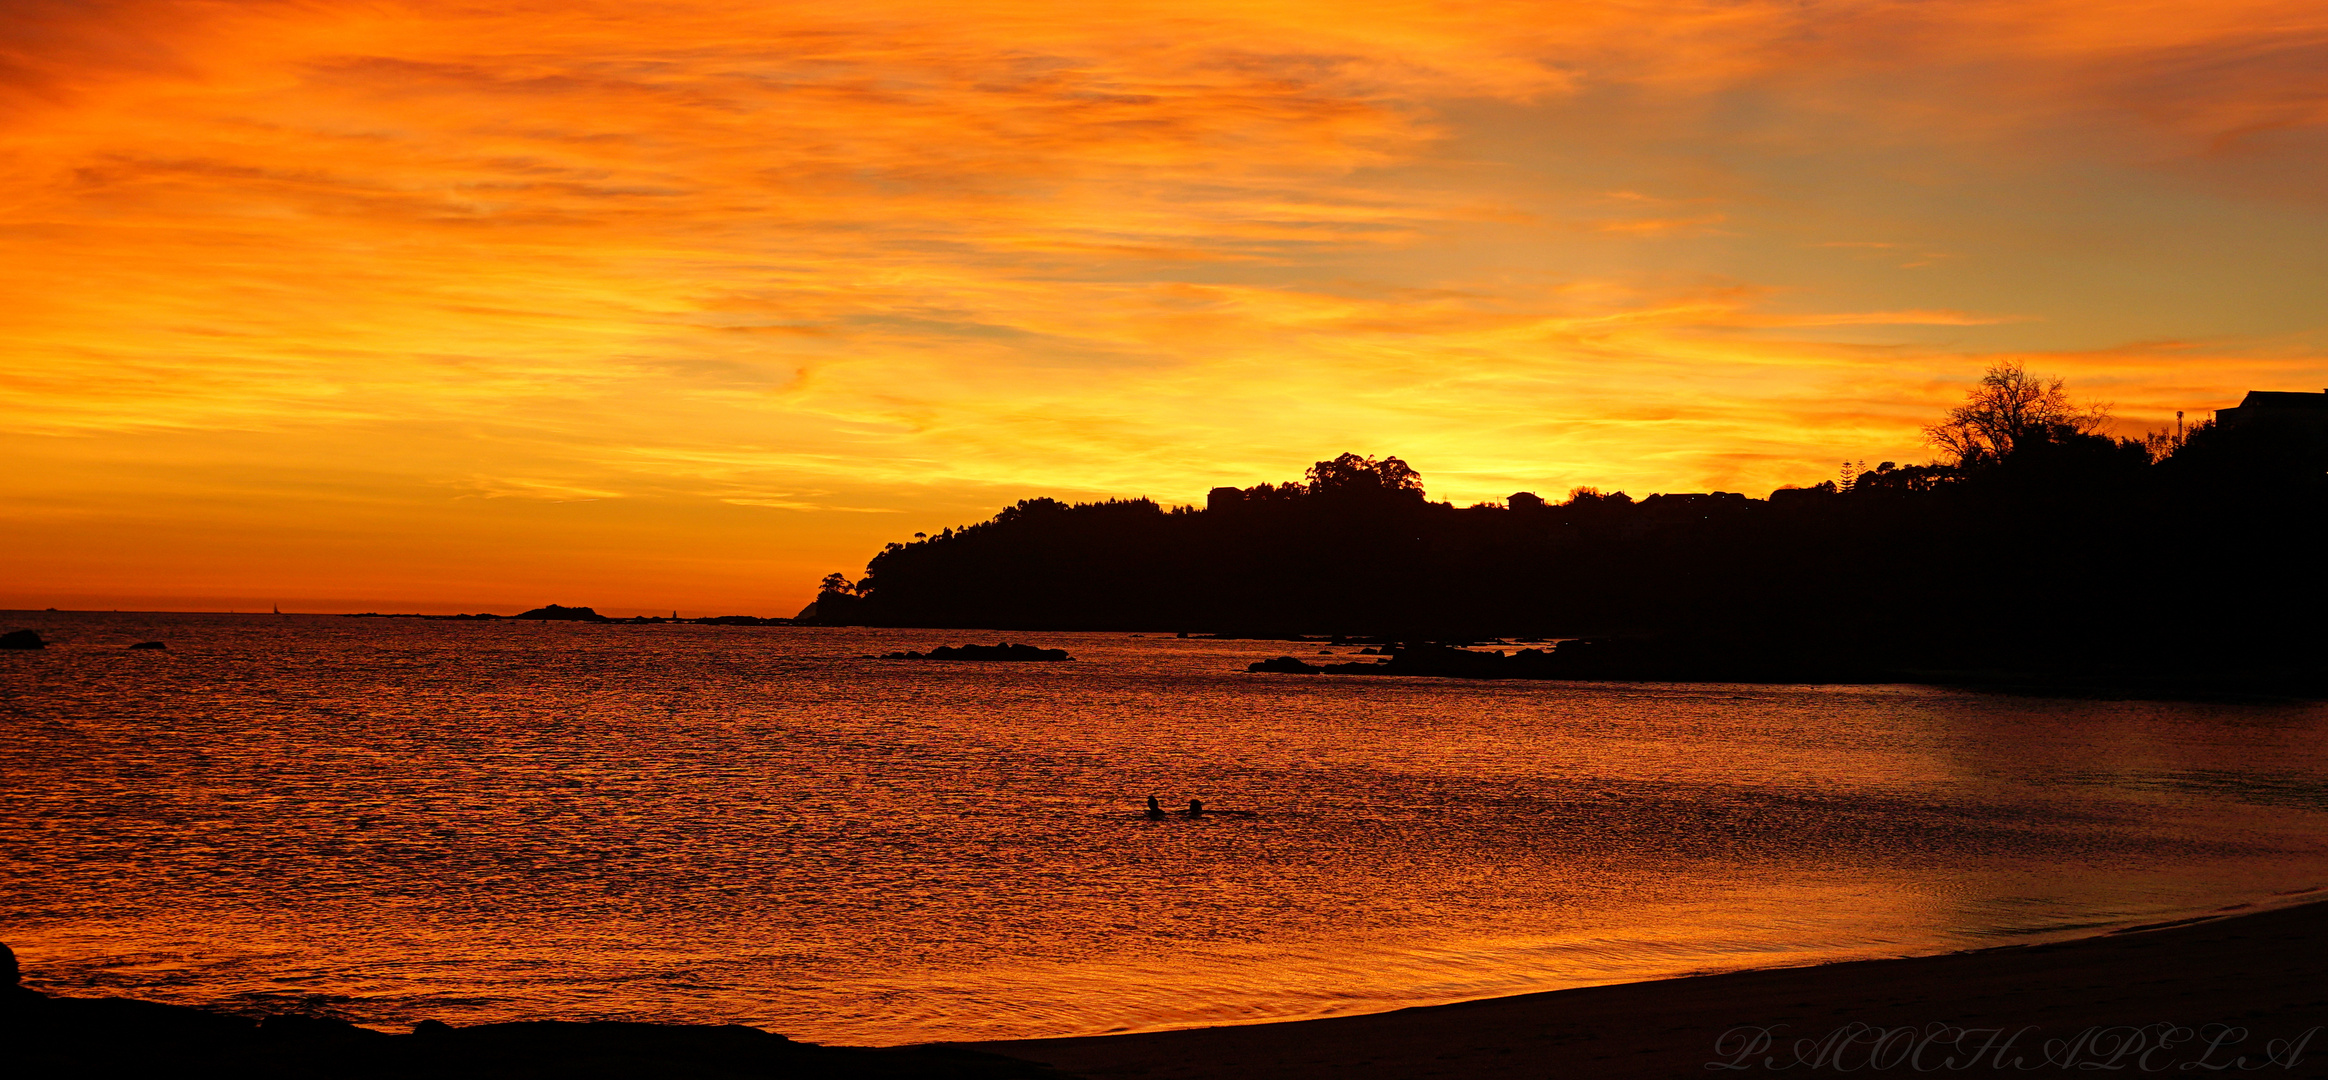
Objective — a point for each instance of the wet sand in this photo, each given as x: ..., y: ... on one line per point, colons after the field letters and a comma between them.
x: 2145, y: 991
x: 2228, y: 995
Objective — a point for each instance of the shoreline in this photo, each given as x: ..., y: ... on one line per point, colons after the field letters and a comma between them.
x: 2153, y: 988
x: 1803, y: 960
x: 2244, y: 981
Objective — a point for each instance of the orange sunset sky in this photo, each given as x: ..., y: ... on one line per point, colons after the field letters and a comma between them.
x: 478, y: 305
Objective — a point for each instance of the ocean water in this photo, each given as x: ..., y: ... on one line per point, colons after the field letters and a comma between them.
x: 391, y: 820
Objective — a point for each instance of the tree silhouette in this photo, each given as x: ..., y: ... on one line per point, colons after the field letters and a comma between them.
x: 1588, y: 496
x: 1352, y: 474
x: 2010, y: 409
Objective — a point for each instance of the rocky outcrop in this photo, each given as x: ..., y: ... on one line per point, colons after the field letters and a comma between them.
x: 1284, y: 665
x: 985, y: 652
x: 560, y: 613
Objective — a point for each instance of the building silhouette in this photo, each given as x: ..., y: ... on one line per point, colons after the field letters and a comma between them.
x: 2277, y: 409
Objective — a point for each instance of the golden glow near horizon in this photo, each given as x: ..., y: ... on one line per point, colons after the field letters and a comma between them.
x: 436, y: 306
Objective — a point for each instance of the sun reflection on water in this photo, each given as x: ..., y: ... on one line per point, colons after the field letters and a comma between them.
x: 390, y: 820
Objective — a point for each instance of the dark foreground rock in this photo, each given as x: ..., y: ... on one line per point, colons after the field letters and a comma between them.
x: 21, y: 639
x: 985, y: 652
x: 115, y: 1037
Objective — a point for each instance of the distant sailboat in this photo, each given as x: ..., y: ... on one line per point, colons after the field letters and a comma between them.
x: 278, y: 609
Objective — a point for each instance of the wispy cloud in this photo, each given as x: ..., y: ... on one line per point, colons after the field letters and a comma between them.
x: 838, y: 262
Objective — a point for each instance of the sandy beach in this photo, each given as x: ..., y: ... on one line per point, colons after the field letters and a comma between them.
x: 2244, y: 990
x: 2233, y: 994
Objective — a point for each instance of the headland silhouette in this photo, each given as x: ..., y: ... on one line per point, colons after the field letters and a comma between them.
x: 563, y: 613
x: 2036, y: 551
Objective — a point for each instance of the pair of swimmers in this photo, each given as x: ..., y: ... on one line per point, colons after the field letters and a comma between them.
x: 1156, y: 809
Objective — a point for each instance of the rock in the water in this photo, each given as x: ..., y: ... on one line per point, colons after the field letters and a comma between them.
x: 149, y: 645
x: 562, y: 613
x: 1284, y: 665
x: 21, y: 639
x: 1002, y: 651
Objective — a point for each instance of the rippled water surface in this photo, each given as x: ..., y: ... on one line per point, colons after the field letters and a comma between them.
x: 395, y: 819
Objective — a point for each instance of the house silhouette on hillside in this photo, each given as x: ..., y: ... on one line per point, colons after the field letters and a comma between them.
x: 2277, y: 408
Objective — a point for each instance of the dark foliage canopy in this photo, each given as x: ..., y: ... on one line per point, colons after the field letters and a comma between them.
x: 2062, y: 549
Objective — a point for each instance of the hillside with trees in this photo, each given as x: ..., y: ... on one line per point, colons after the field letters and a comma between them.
x: 2035, y: 547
